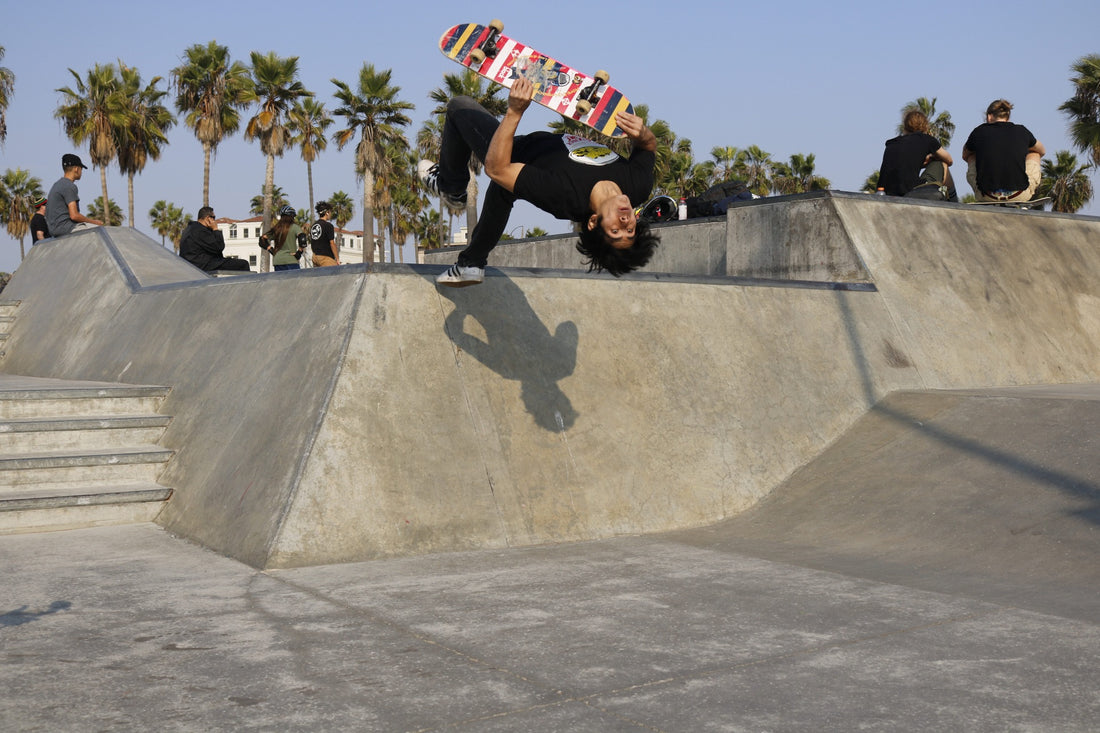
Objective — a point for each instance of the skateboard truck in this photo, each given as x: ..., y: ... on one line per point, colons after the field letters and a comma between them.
x: 589, y: 97
x: 488, y: 48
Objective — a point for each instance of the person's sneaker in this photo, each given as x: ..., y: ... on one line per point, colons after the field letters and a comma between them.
x: 458, y: 276
x: 429, y: 175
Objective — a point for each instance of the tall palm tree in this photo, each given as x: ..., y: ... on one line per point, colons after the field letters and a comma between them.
x: 147, y: 122
x: 1066, y: 182
x: 308, y: 121
x: 7, y: 89
x: 470, y: 84
x: 164, y: 217
x: 940, y: 125
x: 211, y: 91
x: 374, y: 113
x: 92, y: 113
x: 18, y: 190
x: 277, y: 88
x: 1083, y: 107
x: 429, y: 140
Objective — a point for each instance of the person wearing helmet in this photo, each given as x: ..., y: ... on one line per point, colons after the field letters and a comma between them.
x: 285, y: 241
x: 322, y: 238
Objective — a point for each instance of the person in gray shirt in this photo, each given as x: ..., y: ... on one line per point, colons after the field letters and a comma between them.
x: 63, y: 202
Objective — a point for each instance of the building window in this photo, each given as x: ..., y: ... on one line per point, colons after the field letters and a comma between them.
x: 246, y: 232
x: 232, y: 231
x: 252, y: 260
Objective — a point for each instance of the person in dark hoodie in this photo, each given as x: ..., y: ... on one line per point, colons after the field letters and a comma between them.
x: 202, y: 244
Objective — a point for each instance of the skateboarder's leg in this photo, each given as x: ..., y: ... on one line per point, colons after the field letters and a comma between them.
x: 490, y: 226
x: 468, y: 128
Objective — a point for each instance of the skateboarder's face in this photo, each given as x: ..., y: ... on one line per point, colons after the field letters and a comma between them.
x: 615, y: 216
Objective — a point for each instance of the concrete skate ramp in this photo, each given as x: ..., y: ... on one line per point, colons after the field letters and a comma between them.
x: 352, y: 413
x: 993, y: 494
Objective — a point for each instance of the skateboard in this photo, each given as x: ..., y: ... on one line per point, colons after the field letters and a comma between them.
x: 1032, y: 204
x: 571, y: 93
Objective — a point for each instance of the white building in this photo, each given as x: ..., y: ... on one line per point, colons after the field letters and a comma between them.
x: 242, y: 240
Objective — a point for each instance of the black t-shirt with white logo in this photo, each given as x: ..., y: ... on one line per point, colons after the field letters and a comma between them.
x: 321, y: 235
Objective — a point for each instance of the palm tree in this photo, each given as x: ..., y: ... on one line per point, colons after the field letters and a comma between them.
x: 93, y: 113
x: 278, y: 201
x: 729, y: 163
x: 277, y: 88
x: 427, y: 230
x: 96, y: 211
x: 18, y: 190
x: 797, y: 176
x: 308, y: 121
x: 164, y: 216
x: 470, y: 84
x: 758, y: 166
x: 343, y: 208
x: 141, y: 138
x: 1066, y: 182
x: 871, y: 184
x: 1083, y: 107
x: 7, y: 89
x: 211, y: 91
x: 940, y: 126
x: 429, y: 140
x: 374, y: 113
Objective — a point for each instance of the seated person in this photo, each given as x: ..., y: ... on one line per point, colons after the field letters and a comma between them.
x: 1004, y: 158
x: 915, y: 164
x: 202, y: 244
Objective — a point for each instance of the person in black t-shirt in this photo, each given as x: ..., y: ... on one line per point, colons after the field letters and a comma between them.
x: 564, y: 175
x: 322, y: 238
x: 915, y: 164
x: 1005, y: 159
x: 39, y: 229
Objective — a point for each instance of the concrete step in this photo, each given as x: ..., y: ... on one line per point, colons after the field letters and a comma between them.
x: 45, y: 434
x: 81, y: 467
x: 59, y: 508
x: 20, y: 398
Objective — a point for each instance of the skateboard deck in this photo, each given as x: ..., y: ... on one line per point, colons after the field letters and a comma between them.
x: 1032, y: 204
x: 557, y: 86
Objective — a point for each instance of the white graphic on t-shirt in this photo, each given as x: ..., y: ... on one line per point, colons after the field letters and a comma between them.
x: 588, y: 152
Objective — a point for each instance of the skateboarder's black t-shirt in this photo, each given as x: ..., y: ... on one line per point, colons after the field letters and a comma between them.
x: 1000, y: 149
x: 560, y: 170
x: 903, y: 160
x: 321, y: 235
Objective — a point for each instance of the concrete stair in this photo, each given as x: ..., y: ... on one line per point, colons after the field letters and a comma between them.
x: 79, y: 454
x: 7, y: 318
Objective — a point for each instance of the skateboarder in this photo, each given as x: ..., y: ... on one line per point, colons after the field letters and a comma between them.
x: 564, y: 175
x: 1004, y: 158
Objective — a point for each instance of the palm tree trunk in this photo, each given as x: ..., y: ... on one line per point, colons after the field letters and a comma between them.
x: 471, y: 205
x: 368, y: 217
x: 309, y: 177
x: 130, y: 194
x: 106, y: 204
x: 22, y: 253
x: 206, y: 174
x: 269, y: 185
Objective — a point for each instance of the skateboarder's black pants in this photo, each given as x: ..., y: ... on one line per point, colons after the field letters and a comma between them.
x: 468, y: 129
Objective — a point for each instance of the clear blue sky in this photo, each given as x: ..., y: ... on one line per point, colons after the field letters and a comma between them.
x: 791, y: 77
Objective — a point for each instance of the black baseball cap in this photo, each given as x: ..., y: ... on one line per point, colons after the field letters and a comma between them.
x: 68, y: 160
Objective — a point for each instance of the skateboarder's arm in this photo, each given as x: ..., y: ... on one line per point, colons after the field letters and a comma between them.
x: 498, y: 159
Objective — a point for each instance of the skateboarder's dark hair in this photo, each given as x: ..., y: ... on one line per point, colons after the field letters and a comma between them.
x: 600, y: 255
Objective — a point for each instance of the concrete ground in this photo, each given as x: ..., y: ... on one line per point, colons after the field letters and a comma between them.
x: 129, y: 628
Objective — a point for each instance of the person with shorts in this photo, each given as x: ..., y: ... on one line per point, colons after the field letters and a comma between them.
x: 1004, y: 158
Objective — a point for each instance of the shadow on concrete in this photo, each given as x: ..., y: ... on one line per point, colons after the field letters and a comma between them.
x: 21, y: 615
x: 517, y: 346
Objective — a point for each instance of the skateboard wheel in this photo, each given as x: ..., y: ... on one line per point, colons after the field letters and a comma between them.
x: 497, y: 25
x: 601, y: 76
x: 477, y: 56
x: 584, y: 106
